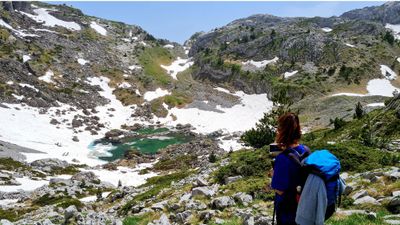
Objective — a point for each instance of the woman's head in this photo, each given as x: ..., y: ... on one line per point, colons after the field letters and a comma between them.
x: 288, y: 131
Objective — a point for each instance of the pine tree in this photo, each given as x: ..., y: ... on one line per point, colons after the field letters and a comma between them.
x: 359, y: 111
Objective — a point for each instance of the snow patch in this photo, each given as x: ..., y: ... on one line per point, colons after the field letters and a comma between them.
x: 43, y: 16
x: 125, y: 85
x: 388, y: 73
x: 134, y: 67
x: 398, y: 59
x: 326, y: 29
x: 177, y: 66
x: 350, y: 45
x: 47, y: 77
x: 289, y: 74
x: 377, y: 104
x: 168, y: 46
x: 99, y: 29
x: 10, y: 82
x: 381, y: 87
x: 260, y: 64
x: 240, y: 117
x: 127, y: 176
x: 395, y: 28
x: 19, y: 97
x: 151, y: 95
x: 82, y: 61
x: 220, y: 89
x: 25, y: 58
x: 29, y: 86
x: 17, y: 32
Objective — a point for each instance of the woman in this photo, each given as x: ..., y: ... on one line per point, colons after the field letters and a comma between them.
x: 287, y: 175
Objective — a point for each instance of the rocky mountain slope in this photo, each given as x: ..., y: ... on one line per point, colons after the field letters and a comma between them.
x: 309, y: 58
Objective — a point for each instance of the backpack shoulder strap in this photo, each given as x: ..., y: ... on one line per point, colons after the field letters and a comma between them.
x: 293, y: 155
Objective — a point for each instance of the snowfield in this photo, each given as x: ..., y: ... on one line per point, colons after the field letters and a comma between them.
x: 25, y: 58
x: 388, y: 73
x: 377, y: 104
x: 395, y: 28
x: 260, y: 64
x: 326, y: 29
x: 82, y: 61
x: 289, y: 74
x: 99, y: 29
x: 168, y: 46
x: 151, y: 95
x: 17, y: 32
x: 47, y: 77
x: 43, y: 16
x: 177, y: 66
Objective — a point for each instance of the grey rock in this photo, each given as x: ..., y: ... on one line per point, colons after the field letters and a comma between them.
x: 183, y: 216
x: 185, y: 197
x: 243, y: 198
x: 359, y: 194
x: 200, y: 182
x: 5, y: 222
x: 195, y: 205
x: 70, y: 212
x: 86, y: 176
x: 219, y: 221
x: 229, y: 180
x: 394, y: 205
x: 207, y: 215
x: 162, y: 221
x: 222, y: 202
x: 262, y: 220
x: 249, y: 221
x: 47, y: 222
x: 159, y: 205
x: 365, y: 200
x: 203, y: 191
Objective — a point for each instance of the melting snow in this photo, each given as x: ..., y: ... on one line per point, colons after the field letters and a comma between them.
x: 127, y: 176
x: 82, y: 61
x: 388, y: 73
x: 25, y: 58
x: 289, y: 74
x: 17, y: 32
x: 377, y: 104
x: 260, y: 64
x: 134, y: 67
x: 350, y: 45
x: 43, y: 16
x: 398, y: 59
x: 10, y: 82
x: 395, y: 28
x: 168, y: 46
x: 151, y: 95
x: 240, y: 117
x: 125, y: 85
x: 19, y: 97
x: 220, y: 89
x: 44, y: 30
x: 177, y: 66
x: 326, y: 29
x: 99, y: 29
x: 381, y: 87
x: 29, y: 86
x: 94, y: 197
x: 47, y: 77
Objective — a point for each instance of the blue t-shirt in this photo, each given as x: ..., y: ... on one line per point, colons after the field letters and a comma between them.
x: 286, y: 178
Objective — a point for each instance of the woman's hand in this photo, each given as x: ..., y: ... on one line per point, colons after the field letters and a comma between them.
x: 279, y: 192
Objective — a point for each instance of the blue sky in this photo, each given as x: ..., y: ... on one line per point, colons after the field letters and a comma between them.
x: 177, y: 21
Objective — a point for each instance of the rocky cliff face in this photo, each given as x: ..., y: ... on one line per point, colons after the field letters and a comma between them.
x: 386, y: 13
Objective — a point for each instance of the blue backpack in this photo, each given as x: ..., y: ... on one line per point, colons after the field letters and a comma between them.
x: 325, y: 165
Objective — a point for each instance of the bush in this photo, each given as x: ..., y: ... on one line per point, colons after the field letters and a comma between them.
x: 246, y: 163
x: 337, y: 123
x: 359, y: 111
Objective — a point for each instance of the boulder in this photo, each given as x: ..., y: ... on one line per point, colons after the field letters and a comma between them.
x: 394, y: 205
x: 222, y: 202
x: 48, y: 165
x: 365, y: 200
x: 195, y: 205
x: 359, y: 194
x: 249, y: 221
x: 207, y: 215
x: 86, y: 176
x: 5, y: 222
x: 159, y: 206
x: 162, y: 221
x: 183, y: 216
x: 262, y: 220
x: 203, y: 191
x: 200, y: 182
x: 70, y: 212
x: 229, y: 180
x: 243, y: 198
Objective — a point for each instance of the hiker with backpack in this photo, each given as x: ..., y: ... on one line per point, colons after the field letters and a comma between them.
x: 307, y: 184
x: 286, y: 173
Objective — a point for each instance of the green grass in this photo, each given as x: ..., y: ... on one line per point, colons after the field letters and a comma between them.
x: 356, y: 219
x: 10, y: 164
x: 140, y: 220
x: 151, y: 59
x: 178, y: 163
x: 157, y: 184
x: 15, y: 213
x: 63, y: 202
